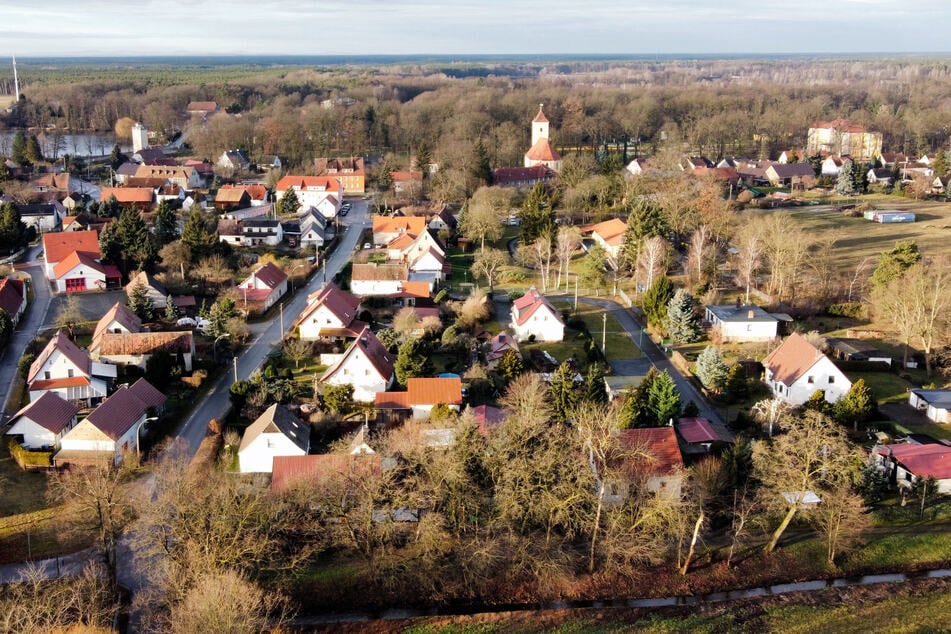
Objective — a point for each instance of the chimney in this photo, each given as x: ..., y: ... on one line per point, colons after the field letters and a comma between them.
x: 749, y: 314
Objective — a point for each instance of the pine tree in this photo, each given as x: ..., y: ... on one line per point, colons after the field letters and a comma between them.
x: 845, y: 183
x: 563, y: 391
x: 664, y: 400
x: 644, y: 220
x: 481, y: 168
x: 289, y: 204
x: 683, y: 322
x: 737, y: 385
x: 166, y: 224
x: 940, y: 165
x: 655, y: 301
x: 510, y: 365
x: 538, y: 215
x: 139, y: 302
x: 711, y: 370
x: 860, y: 176
x: 6, y: 328
x: 195, y: 234
x: 635, y: 411
x: 412, y: 360
x: 171, y: 310
x: 13, y: 231
x: 856, y: 406
x: 594, y: 388
x: 109, y: 208
x: 32, y: 151
x: 18, y: 149
x: 893, y: 263
x: 138, y: 250
x: 116, y: 158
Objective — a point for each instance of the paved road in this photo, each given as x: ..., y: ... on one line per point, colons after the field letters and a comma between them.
x: 268, y: 334
x: 28, y: 327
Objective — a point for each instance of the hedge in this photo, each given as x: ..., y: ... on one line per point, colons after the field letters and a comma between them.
x: 29, y: 459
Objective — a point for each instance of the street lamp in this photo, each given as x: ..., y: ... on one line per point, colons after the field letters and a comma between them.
x: 138, y: 451
x: 214, y: 347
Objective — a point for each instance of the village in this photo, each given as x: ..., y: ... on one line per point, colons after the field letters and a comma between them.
x: 384, y: 369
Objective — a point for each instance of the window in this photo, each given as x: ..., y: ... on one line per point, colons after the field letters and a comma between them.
x: 69, y: 373
x: 749, y: 327
x: 270, y: 443
x: 46, y: 375
x: 810, y: 379
x: 831, y: 379
x: 366, y: 373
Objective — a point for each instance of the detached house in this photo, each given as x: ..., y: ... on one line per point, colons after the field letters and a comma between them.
x: 663, y: 468
x: 313, y: 228
x: 742, y: 323
x: 265, y: 286
x: 421, y: 395
x: 136, y: 348
x: 72, y: 262
x: 118, y: 320
x: 610, y: 235
x: 64, y: 368
x: 907, y: 463
x: 330, y: 313
x: 788, y: 174
x: 139, y: 198
x: 12, y: 298
x: 275, y: 433
x: 43, y: 422
x: 796, y: 369
x: 366, y: 365
x: 936, y: 404
x: 533, y: 317
x: 388, y: 228
x: 498, y: 346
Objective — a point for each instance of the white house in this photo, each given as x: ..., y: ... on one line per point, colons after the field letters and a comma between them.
x: 42, y: 216
x: 374, y: 279
x: 366, y: 365
x: 534, y: 316
x: 388, y: 228
x: 796, y: 369
x: 909, y: 462
x: 154, y: 290
x: 331, y: 313
x: 118, y: 319
x: 313, y: 228
x: 64, y: 368
x: 323, y: 193
x: 935, y: 403
x: 636, y: 167
x: 662, y: 471
x: 234, y: 160
x: 111, y: 428
x: 422, y: 394
x: 80, y: 272
x: 610, y: 235
x: 832, y: 165
x: 276, y: 432
x: 265, y: 286
x: 742, y: 323
x: 44, y: 421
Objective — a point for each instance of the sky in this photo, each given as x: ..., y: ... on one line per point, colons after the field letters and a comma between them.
x: 62, y: 28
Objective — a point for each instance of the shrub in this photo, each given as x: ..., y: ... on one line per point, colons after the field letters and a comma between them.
x: 23, y: 367
x: 29, y: 459
x: 854, y: 310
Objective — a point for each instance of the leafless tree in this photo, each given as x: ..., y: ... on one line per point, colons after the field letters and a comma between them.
x: 488, y: 263
x: 652, y: 259
x: 297, y: 350
x: 567, y: 242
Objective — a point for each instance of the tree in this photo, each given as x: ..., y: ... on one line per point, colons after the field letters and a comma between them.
x: 563, y: 391
x: 845, y: 184
x: 683, y: 322
x: 737, y: 385
x: 139, y: 302
x: 6, y: 328
x: 221, y: 312
x: 166, y: 224
x: 115, y: 157
x: 644, y: 220
x: 337, y: 399
x: 894, y: 262
x: 594, y: 267
x: 128, y: 242
x: 566, y: 243
x: 225, y: 601
x: 711, y: 370
x: 856, y: 406
x: 538, y: 255
x: 69, y: 315
x: 177, y: 257
x: 635, y: 410
x: 655, y: 301
x: 109, y: 208
x: 510, y: 365
x: 159, y: 368
x: 652, y: 259
x: 18, y: 149
x: 488, y: 263
x: 473, y: 310
x: 815, y: 455
x: 698, y: 255
x: 480, y: 168
x: 289, y: 204
x: 749, y: 258
x: 538, y: 215
x: 485, y: 212
x: 928, y: 284
x: 297, y: 350
x: 664, y: 399
x: 196, y: 236
x: 13, y: 231
x: 172, y: 313
x: 413, y: 360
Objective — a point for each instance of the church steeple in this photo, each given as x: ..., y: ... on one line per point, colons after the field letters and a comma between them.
x: 539, y: 125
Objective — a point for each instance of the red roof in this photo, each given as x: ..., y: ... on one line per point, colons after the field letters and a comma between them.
x: 611, y: 231
x: 540, y: 117
x: 406, y: 177
x: 290, y: 471
x: 392, y: 400
x: 57, y: 246
x: 73, y: 260
x: 427, y: 391
x: 488, y: 417
x: 122, y: 314
x: 271, y: 275
x: 697, y: 430
x: 415, y: 289
x: 341, y: 303
x: 60, y: 342
x: 399, y: 224
x: 526, y: 305
x: 542, y: 151
x: 374, y: 351
x: 202, y: 106
x: 932, y: 460
x: 841, y: 125
x: 119, y: 412
x: 128, y: 194
x: 728, y: 174
x: 325, y: 183
x: 58, y: 384
x: 49, y: 411
x: 504, y: 175
x: 792, y: 359
x: 660, y: 442
x: 11, y: 295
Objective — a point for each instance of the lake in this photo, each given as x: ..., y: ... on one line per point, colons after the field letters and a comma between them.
x: 55, y: 144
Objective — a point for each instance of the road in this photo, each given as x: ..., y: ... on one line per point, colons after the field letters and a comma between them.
x: 266, y: 335
x: 29, y: 325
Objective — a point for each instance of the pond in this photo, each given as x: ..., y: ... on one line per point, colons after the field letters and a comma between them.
x: 55, y: 143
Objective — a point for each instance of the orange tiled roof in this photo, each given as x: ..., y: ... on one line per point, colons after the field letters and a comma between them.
x: 58, y: 245
x: 661, y: 443
x: 792, y: 359
x: 542, y: 151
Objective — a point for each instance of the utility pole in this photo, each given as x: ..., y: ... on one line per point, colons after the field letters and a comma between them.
x: 576, y: 293
x: 604, y: 333
x: 282, y: 321
x: 235, y: 360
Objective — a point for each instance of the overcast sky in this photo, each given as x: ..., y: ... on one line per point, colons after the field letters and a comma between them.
x: 360, y: 27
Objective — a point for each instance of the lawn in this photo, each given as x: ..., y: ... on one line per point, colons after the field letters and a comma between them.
x: 618, y: 343
x: 21, y: 491
x: 886, y: 386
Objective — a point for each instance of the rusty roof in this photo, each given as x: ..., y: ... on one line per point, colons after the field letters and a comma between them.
x: 310, y: 471
x: 660, y: 443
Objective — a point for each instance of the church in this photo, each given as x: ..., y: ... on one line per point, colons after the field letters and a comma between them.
x: 542, y: 153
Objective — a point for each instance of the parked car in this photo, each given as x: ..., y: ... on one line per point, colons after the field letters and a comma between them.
x: 343, y: 211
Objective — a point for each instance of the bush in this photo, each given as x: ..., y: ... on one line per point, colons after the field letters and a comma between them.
x: 855, y: 310
x: 23, y: 367
x: 29, y: 459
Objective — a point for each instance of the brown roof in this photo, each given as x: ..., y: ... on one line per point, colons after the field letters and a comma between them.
x: 49, y: 411
x: 326, y: 183
x: 73, y: 260
x: 407, y: 177
x: 694, y: 430
x: 339, y: 302
x: 136, y: 343
x: 58, y: 245
x: 611, y: 231
x: 488, y: 417
x: 119, y: 412
x: 271, y: 275
x: 52, y: 181
x: 148, y: 393
x: 148, y: 281
x: 290, y: 471
x: 11, y: 295
x: 792, y: 359
x: 379, y: 272
x: 350, y: 165
x: 374, y: 351
x: 232, y: 195
x: 504, y: 175
x: 65, y: 346
x: 278, y: 419
x: 392, y: 400
x: 399, y: 224
x: 152, y: 182
x: 542, y: 151
x: 429, y: 391
x: 202, y: 106
x: 842, y: 125
x: 122, y: 314
x: 660, y: 442
x: 128, y: 194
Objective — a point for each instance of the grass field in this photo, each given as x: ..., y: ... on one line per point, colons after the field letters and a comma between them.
x: 618, y: 343
x: 21, y: 491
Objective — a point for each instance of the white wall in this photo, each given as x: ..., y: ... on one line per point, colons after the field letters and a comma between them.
x: 362, y: 375
x: 258, y: 457
x: 802, y: 389
x: 375, y: 287
x: 543, y: 324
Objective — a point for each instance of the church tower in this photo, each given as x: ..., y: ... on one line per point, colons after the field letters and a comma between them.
x: 539, y: 125
x: 541, y: 152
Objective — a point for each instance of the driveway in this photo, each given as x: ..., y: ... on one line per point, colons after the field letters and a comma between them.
x: 92, y: 306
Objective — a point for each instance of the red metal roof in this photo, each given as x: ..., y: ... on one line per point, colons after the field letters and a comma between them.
x: 660, y: 442
x: 925, y: 461
x: 696, y: 430
x: 290, y: 471
x: 49, y: 411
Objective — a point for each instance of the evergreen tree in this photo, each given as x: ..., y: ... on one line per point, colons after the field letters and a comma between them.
x: 289, y: 204
x: 664, y: 399
x: 510, y: 365
x: 644, y: 220
x: 594, y: 271
x: 166, y: 224
x: 594, y: 389
x: 199, y: 239
x: 18, y: 149
x: 538, y: 215
x: 845, y: 183
x: 481, y: 168
x: 109, y: 208
x: 139, y: 302
x: 655, y: 301
x: 412, y: 360
x: 940, y: 165
x: 893, y: 263
x: 116, y: 158
x: 737, y: 385
x: 6, y: 328
x: 711, y: 369
x: 818, y: 403
x: 683, y: 322
x: 221, y: 311
x: 13, y: 231
x: 128, y: 243
x: 636, y: 411
x: 856, y: 406
x: 563, y: 391
x: 815, y: 161
x: 32, y: 151
x: 896, y: 176
x: 171, y: 310
x: 860, y: 176
x: 384, y: 179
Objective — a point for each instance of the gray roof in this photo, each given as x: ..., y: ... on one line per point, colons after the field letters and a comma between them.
x: 732, y: 313
x: 277, y: 419
x: 937, y: 398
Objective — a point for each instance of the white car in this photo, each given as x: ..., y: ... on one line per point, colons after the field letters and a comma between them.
x: 186, y: 322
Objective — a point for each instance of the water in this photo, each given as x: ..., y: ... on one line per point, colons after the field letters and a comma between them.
x: 55, y: 144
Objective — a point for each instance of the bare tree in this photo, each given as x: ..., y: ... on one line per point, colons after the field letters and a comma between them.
x: 652, y: 259
x: 227, y: 602
x: 704, y: 483
x: 697, y: 254
x: 297, y: 350
x: 69, y: 315
x: 484, y: 214
x: 930, y: 285
x: 538, y: 255
x: 488, y: 263
x: 840, y: 517
x: 567, y: 242
x: 750, y: 258
x: 857, y: 276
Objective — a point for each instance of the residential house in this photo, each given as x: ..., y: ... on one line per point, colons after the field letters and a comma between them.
x: 388, y: 228
x: 541, y: 152
x: 832, y: 165
x: 82, y: 271
x: 154, y: 290
x: 136, y: 348
x: 789, y: 156
x: 125, y: 171
x: 43, y: 422
x: 636, y: 167
x: 111, y: 428
x: 934, y: 403
x: 662, y: 471
x: 323, y: 193
x: 796, y: 369
x: 42, y: 216
x: 234, y: 160
x: 265, y: 286
x: 229, y: 198
x: 118, y: 320
x: 139, y: 198
x: 697, y: 435
x: 330, y: 313
x: 843, y: 137
x: 487, y: 417
x: 12, y: 298
x: 410, y: 183
x: 269, y: 162
x: 152, y: 156
x: 313, y: 471
x: 610, y: 235
x: 741, y: 323
x: 880, y: 176
x: 366, y: 365
x: 690, y: 163
x: 267, y: 209
x: 423, y: 253
x: 252, y: 232
x: 522, y: 177
x: 350, y: 171
x: 185, y: 177
x: 65, y: 368
x: 788, y: 174
x: 907, y: 463
x: 534, y: 317
x: 726, y: 175
x: 276, y: 432
x: 498, y: 346
x: 205, y: 171
x: 313, y: 229
x: 421, y: 395
x: 443, y: 220
x: 372, y: 279
x: 202, y: 109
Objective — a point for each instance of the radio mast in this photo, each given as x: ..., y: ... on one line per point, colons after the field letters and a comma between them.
x: 16, y: 81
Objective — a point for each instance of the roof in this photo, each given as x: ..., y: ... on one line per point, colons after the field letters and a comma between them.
x: 789, y: 170
x: 342, y: 304
x: 54, y: 181
x: 792, y: 359
x: 11, y: 295
x: 840, y: 125
x: 271, y: 275
x: 325, y: 183
x: 927, y: 461
x: 392, y: 400
x: 58, y: 245
x: 504, y: 175
x: 540, y: 117
x: 60, y: 342
x: 375, y: 352
x: 49, y: 411
x: 148, y: 281
x: 399, y: 224
x: 231, y: 195
x: 406, y: 177
x: 277, y: 419
x: 660, y: 442
x: 119, y: 412
x: 73, y: 260
x: 427, y: 391
x: 148, y: 393
x: 402, y: 241
x: 414, y: 289
x: 128, y: 194
x: 290, y: 471
x: 696, y: 430
x: 488, y: 417
x: 119, y: 313
x: 733, y: 313
x: 542, y: 151
x: 127, y: 169
x: 379, y: 272
x: 141, y: 343
x: 611, y: 231
x: 348, y: 165
x: 151, y: 182
x: 936, y: 398
x: 58, y: 384
x: 202, y: 106
x: 256, y: 192
x: 529, y: 303
x: 721, y: 173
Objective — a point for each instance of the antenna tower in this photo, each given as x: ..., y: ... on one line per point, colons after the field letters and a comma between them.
x: 16, y: 81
